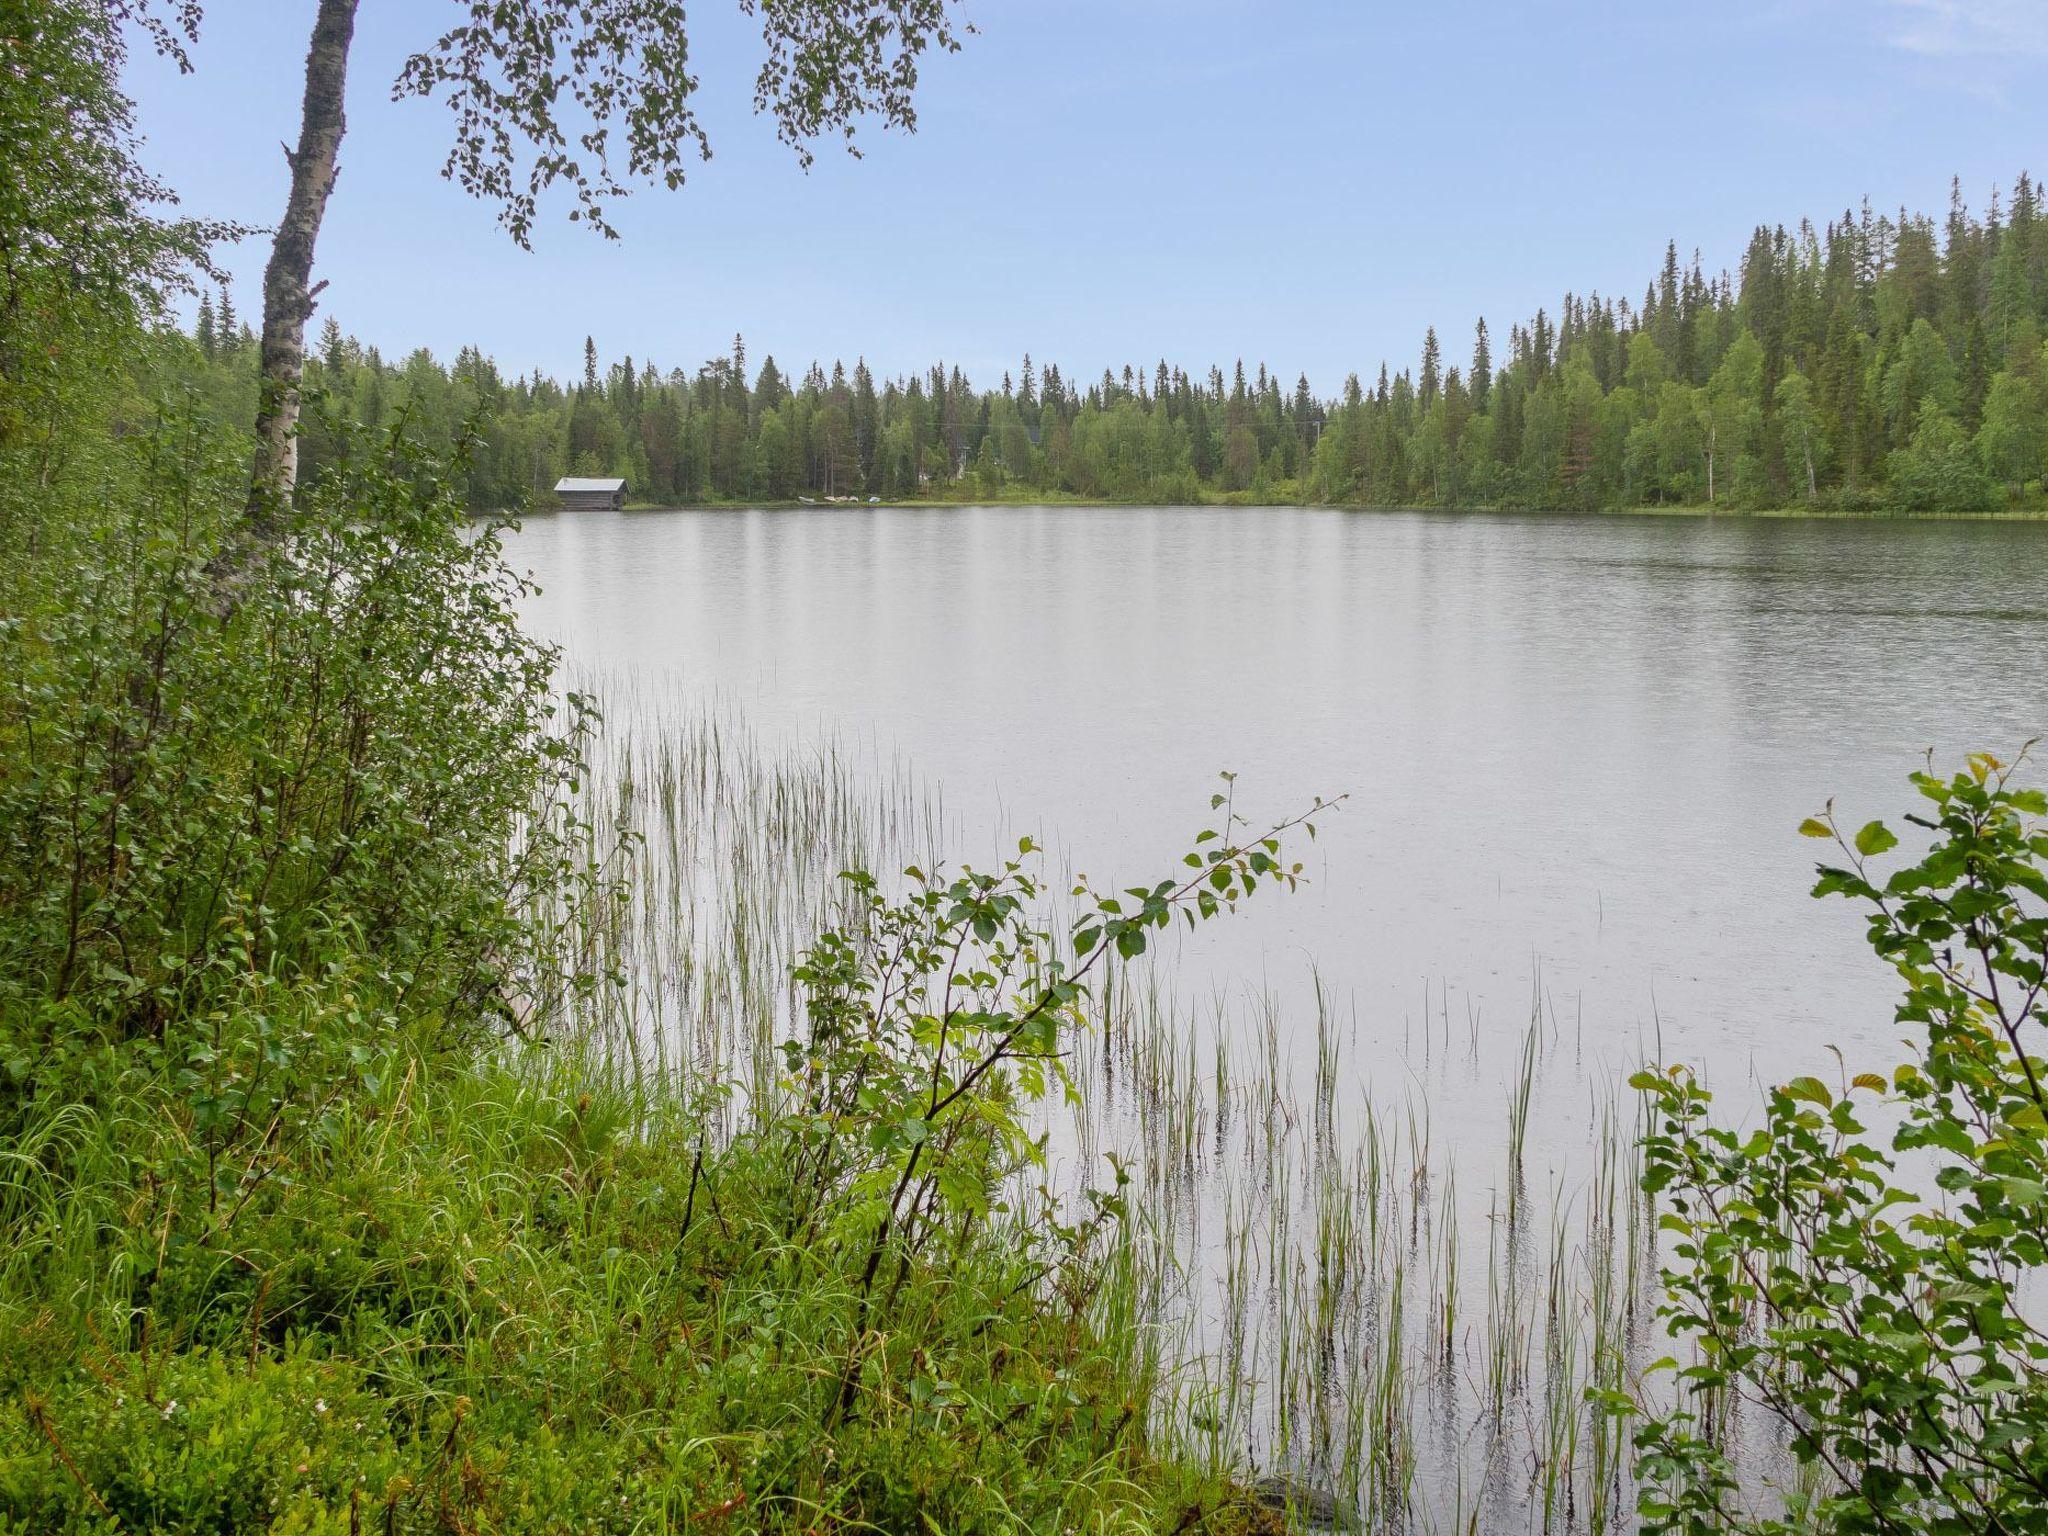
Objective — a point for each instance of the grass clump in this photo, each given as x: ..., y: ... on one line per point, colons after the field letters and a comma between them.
x: 508, y: 1294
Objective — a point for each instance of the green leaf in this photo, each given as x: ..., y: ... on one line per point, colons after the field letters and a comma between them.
x: 1812, y: 827
x: 1875, y: 838
x: 1810, y: 1090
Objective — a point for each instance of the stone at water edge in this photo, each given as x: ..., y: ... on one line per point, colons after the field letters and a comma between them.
x: 1305, y: 1500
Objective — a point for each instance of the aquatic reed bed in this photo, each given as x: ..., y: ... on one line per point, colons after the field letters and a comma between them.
x: 1293, y: 1286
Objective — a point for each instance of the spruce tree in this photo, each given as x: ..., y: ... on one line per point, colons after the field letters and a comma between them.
x: 769, y: 390
x: 332, y: 350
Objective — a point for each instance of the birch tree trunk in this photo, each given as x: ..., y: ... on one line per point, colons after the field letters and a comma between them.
x: 288, y: 289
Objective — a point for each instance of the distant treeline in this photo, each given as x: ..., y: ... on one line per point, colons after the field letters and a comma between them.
x: 1876, y: 363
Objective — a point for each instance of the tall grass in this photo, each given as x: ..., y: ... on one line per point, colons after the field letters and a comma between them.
x: 1311, y: 1284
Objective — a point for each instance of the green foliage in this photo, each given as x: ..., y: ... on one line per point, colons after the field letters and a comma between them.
x: 514, y: 1296
x: 1807, y: 380
x: 195, y: 800
x: 1872, y: 1300
x: 624, y: 68
x: 1924, y: 375
x: 935, y: 1025
x: 2013, y: 439
x: 1801, y: 437
x: 1938, y: 471
x: 515, y: 1292
x: 86, y: 254
x: 202, y: 1442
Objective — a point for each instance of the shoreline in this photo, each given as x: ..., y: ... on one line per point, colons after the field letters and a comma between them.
x: 2023, y: 514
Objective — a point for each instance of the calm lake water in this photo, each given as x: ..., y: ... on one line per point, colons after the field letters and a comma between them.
x: 1576, y: 747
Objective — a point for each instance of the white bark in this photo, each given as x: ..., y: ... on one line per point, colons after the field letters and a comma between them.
x: 288, y: 290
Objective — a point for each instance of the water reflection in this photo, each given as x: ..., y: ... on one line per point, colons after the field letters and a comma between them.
x: 1577, y: 747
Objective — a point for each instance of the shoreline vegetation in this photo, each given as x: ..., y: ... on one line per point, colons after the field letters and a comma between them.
x: 2014, y: 514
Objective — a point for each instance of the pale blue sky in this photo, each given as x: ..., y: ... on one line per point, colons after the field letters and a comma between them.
x: 1307, y: 182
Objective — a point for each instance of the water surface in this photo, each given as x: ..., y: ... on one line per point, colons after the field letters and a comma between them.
x: 1576, y: 748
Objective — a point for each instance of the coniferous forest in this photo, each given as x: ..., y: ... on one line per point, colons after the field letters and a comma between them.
x: 1876, y: 363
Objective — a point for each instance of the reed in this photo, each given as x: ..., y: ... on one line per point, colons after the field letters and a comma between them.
x: 1290, y: 1291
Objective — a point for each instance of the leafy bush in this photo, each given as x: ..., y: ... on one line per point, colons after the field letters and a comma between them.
x: 201, y: 1441
x: 1875, y: 1303
x: 1938, y: 471
x: 935, y: 1024
x: 198, y: 795
x: 245, y: 844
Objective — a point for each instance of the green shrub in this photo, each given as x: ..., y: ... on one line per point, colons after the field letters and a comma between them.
x: 196, y: 794
x: 1939, y: 471
x: 200, y: 1441
x: 1876, y: 1303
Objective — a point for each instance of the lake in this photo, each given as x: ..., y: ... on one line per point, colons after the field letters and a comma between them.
x: 1576, y: 750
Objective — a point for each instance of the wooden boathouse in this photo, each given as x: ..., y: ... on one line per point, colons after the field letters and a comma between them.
x: 581, y: 495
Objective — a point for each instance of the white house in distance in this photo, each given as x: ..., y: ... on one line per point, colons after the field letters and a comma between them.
x: 581, y: 495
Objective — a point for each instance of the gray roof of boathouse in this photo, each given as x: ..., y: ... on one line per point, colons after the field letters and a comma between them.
x: 576, y: 483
